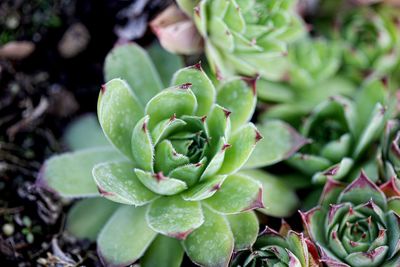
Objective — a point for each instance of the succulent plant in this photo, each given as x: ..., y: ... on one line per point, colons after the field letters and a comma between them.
x: 341, y: 132
x: 172, y: 165
x: 370, y: 39
x: 355, y: 225
x: 312, y: 76
x: 283, y: 248
x: 246, y: 37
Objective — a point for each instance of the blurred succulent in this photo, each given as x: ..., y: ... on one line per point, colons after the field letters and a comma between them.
x: 341, y: 132
x: 246, y: 37
x: 173, y: 165
x: 369, y: 36
x: 286, y: 248
x: 356, y: 225
x: 311, y: 78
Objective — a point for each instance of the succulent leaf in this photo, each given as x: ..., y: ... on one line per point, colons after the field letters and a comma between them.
x: 70, y: 174
x: 118, y: 110
x: 212, y: 243
x: 280, y: 141
x: 175, y: 217
x: 279, y: 199
x: 164, y: 249
x: 244, y: 228
x: 118, y: 182
x: 85, y: 132
x: 201, y: 86
x: 238, y: 193
x: 115, y: 245
x: 238, y: 95
x: 87, y: 217
x: 131, y: 63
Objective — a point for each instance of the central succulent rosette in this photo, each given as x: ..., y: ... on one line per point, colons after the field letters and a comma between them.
x: 172, y: 161
x: 356, y: 225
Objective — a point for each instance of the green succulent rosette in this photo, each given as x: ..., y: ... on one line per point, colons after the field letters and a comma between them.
x: 246, y: 37
x: 341, y: 133
x: 312, y: 77
x: 283, y: 248
x: 369, y: 36
x: 170, y: 168
x: 356, y: 225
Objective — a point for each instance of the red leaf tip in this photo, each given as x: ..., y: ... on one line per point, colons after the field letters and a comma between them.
x: 159, y: 176
x: 103, y: 88
x: 185, y: 86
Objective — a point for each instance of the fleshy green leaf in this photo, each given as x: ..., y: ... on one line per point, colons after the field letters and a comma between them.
x: 245, y: 228
x: 178, y: 100
x: 361, y: 191
x: 238, y: 95
x: 160, y: 184
x: 118, y: 111
x: 164, y: 249
x: 84, y: 132
x: 174, y: 216
x: 115, y: 241
x: 242, y: 144
x: 238, y: 193
x: 204, y: 189
x: 70, y: 174
x: 202, y: 87
x: 167, y: 158
x: 131, y: 63
x: 279, y: 199
x: 142, y: 146
x: 279, y: 142
x: 87, y: 217
x: 212, y: 243
x: 218, y: 123
x: 118, y: 182
x: 166, y: 63
x: 165, y: 127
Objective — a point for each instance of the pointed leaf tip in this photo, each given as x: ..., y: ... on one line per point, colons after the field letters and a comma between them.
x: 252, y: 82
x: 257, y: 203
x: 391, y: 188
x: 185, y: 86
x: 197, y: 66
x: 361, y: 182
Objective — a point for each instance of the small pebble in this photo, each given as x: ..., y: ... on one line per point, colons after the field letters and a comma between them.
x: 8, y: 229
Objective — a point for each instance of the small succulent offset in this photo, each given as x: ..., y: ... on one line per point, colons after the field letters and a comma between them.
x: 341, y: 132
x: 283, y: 248
x: 246, y: 37
x: 173, y: 164
x: 355, y: 226
x: 370, y: 39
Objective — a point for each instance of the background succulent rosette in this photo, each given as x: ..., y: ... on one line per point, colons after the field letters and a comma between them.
x: 356, y: 225
x: 342, y: 133
x: 368, y: 34
x: 172, y: 166
x: 312, y: 76
x: 246, y: 37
